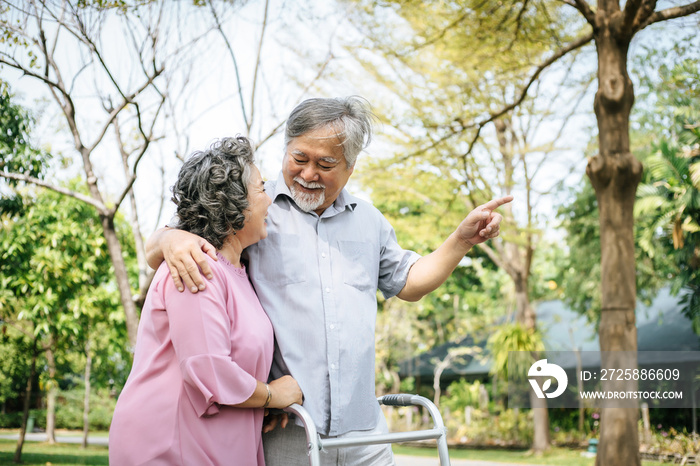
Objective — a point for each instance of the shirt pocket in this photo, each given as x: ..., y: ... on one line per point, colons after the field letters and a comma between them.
x: 360, y: 265
x: 280, y: 259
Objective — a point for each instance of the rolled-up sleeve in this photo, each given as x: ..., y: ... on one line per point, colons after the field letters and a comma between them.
x: 394, y: 262
x: 200, y: 330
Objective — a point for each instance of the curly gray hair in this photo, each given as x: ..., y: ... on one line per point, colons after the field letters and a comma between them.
x: 350, y: 117
x: 211, y: 192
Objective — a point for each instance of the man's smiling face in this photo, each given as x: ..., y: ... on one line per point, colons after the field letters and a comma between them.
x: 315, y: 169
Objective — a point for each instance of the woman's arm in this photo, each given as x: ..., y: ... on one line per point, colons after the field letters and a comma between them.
x: 282, y: 393
x: 200, y: 330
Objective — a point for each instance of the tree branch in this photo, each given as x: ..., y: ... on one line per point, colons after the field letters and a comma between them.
x: 235, y: 63
x: 671, y: 13
x: 142, y: 151
x: 630, y: 12
x: 523, y: 93
x: 27, y: 72
x: 127, y: 100
x: 497, y: 259
x: 518, y: 23
x: 36, y: 181
x: 585, y: 10
x: 274, y: 130
x: 257, y: 67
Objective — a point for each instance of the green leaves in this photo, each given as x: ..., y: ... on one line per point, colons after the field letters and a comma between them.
x: 48, y: 259
x: 18, y: 155
x: 509, y: 338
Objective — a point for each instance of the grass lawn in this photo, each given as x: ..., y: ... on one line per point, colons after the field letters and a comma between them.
x: 64, y: 454
x: 555, y: 457
x: 42, y: 454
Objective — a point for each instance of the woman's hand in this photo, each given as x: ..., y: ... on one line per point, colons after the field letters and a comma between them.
x: 185, y: 254
x: 285, y: 391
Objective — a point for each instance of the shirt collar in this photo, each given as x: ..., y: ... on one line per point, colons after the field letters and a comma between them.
x: 344, y: 200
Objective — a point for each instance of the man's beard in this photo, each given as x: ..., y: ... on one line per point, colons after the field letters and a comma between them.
x: 308, y: 202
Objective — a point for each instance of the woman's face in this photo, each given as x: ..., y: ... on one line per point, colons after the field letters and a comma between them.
x: 255, y: 227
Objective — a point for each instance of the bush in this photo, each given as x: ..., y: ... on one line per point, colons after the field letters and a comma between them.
x: 10, y: 420
x: 509, y: 428
x: 69, y: 409
x: 672, y: 443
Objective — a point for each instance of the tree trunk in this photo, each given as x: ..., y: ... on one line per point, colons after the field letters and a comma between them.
x: 579, y: 387
x: 51, y: 399
x: 519, y: 260
x: 615, y: 174
x: 120, y: 272
x: 436, y: 387
x: 110, y: 234
x: 541, y: 439
x: 144, y: 276
x: 25, y: 413
x: 86, y: 399
x: 525, y: 315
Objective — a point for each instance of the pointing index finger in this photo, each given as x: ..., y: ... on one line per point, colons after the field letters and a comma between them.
x: 496, y: 203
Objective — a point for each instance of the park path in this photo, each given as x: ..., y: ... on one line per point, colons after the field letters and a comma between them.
x: 41, y: 437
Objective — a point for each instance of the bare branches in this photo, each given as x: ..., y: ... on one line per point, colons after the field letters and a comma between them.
x: 115, y: 111
x: 101, y: 208
x: 523, y: 92
x: 257, y: 68
x: 318, y: 76
x: 233, y: 59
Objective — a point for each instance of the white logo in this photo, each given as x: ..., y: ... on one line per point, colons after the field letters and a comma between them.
x: 542, y: 369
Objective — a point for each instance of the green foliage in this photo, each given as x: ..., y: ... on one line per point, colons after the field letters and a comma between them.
x: 69, y: 410
x: 672, y: 443
x: 51, y: 254
x: 442, y: 66
x: 510, y: 427
x: 513, y: 338
x: 14, y: 364
x: 461, y: 394
x: 17, y: 153
x: 57, y: 286
x: 579, y: 269
x: 668, y: 205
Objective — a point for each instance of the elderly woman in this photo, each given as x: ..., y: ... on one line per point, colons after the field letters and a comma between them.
x: 197, y: 392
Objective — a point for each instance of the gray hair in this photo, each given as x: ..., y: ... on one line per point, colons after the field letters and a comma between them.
x: 211, y: 192
x: 350, y: 117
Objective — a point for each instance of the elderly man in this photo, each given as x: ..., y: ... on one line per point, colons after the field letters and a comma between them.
x: 317, y: 274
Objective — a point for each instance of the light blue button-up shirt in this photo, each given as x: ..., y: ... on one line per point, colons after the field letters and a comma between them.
x: 317, y: 279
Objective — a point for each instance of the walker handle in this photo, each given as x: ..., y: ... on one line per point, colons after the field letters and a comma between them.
x: 401, y: 399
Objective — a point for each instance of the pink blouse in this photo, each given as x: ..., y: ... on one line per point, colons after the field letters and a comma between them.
x: 190, y: 364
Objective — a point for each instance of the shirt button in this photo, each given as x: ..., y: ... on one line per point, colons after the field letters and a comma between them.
x: 332, y: 366
x: 323, y: 254
x: 328, y: 290
x: 332, y: 326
